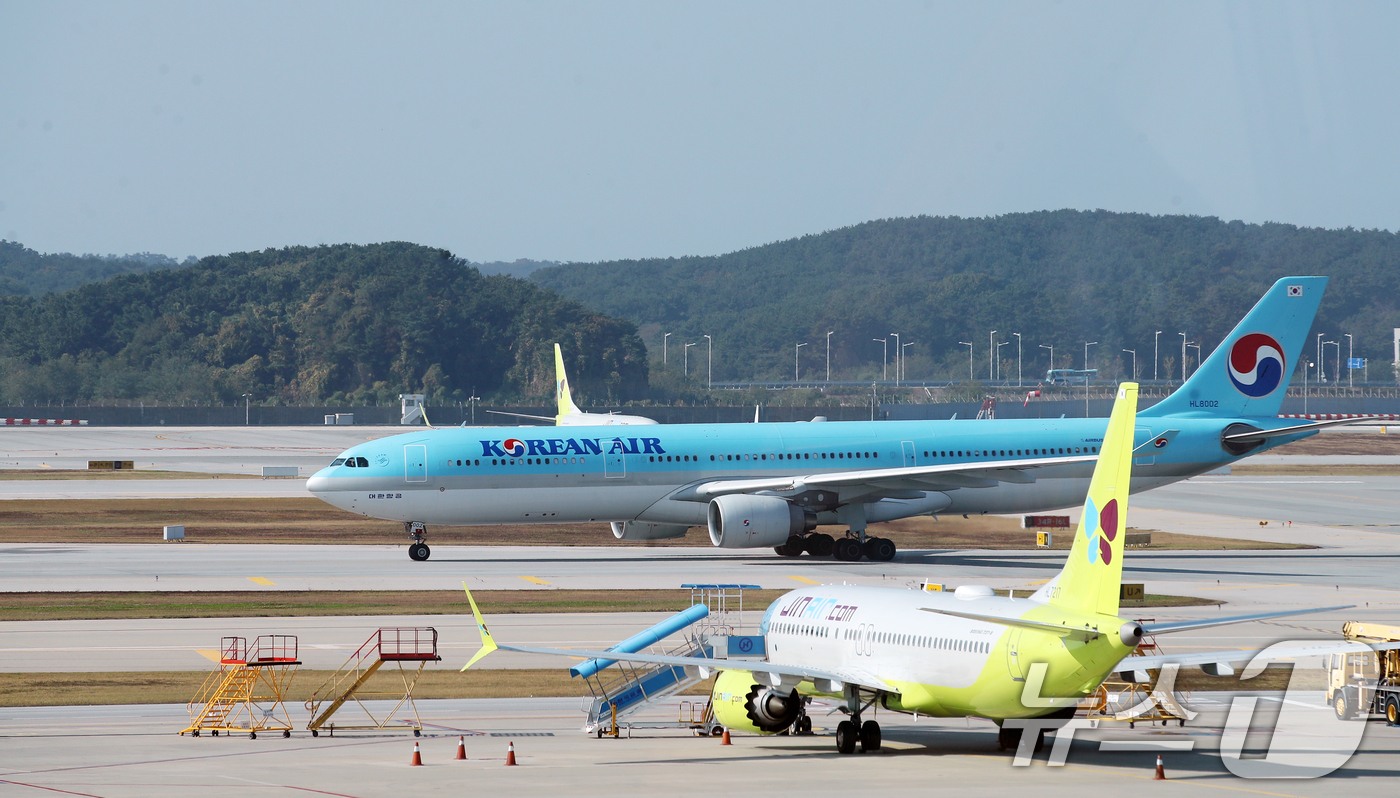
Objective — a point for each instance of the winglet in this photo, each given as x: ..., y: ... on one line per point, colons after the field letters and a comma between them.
x: 487, y: 643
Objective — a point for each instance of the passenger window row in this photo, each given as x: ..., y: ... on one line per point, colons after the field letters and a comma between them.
x: 1012, y: 452
x: 796, y: 456
x: 921, y: 641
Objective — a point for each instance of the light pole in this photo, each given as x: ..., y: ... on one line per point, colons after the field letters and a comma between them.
x: 1196, y: 347
x: 904, y: 358
x: 664, y: 340
x: 999, y: 346
x: 1306, y: 366
x: 1154, y: 355
x: 991, y: 354
x: 1018, y: 359
x: 897, y: 350
x: 1051, y: 347
x: 685, y: 352
x: 1134, y: 371
x: 246, y: 399
x: 1321, y: 369
x: 885, y: 367
x: 473, y: 399
x: 795, y: 351
x: 1087, y: 344
x: 1338, y: 365
x: 1350, y: 383
x: 710, y: 364
x: 828, y: 356
x: 1183, y: 357
x: 968, y: 344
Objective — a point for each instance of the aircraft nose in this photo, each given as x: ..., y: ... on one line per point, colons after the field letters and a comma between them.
x: 319, y: 482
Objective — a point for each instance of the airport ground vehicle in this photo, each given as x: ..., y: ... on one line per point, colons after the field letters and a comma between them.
x: 1368, y: 682
x: 1070, y: 376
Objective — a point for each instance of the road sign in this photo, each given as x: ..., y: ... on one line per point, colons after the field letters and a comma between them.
x: 1356, y: 362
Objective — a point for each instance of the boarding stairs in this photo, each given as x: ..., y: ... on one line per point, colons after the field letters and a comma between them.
x: 246, y: 693
x: 620, y: 691
x: 404, y: 647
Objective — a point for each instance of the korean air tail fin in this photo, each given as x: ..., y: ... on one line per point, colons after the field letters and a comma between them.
x: 1248, y: 374
x: 1093, y: 574
x: 561, y: 386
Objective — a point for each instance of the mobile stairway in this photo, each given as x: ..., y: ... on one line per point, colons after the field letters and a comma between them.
x: 618, y: 694
x: 405, y: 647
x: 246, y: 693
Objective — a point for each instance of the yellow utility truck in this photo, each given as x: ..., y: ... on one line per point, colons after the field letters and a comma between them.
x: 1366, y: 683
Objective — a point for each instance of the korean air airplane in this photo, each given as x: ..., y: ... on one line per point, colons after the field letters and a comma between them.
x: 771, y: 485
x: 965, y: 653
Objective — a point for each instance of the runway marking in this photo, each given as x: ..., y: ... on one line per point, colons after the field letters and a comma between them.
x: 1247, y: 587
x: 804, y: 580
x: 210, y: 654
x: 262, y: 580
x: 535, y: 579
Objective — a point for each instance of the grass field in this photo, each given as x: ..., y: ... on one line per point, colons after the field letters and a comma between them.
x: 309, y: 520
x: 66, y: 606
x: 1343, y: 443
x: 437, y: 681
x: 55, y: 606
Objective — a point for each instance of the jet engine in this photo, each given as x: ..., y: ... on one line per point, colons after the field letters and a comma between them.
x: 740, y: 521
x: 641, y: 530
x: 742, y: 705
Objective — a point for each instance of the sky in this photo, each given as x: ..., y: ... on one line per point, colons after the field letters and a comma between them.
x: 600, y: 130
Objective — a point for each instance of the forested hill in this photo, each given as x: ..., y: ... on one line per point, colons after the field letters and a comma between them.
x: 1059, y: 278
x: 24, y: 272
x: 303, y: 324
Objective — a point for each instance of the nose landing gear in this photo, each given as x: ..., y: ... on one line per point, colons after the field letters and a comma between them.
x: 418, y: 551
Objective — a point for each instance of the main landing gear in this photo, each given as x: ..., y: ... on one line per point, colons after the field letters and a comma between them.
x: 850, y: 733
x: 418, y: 550
x: 847, y: 549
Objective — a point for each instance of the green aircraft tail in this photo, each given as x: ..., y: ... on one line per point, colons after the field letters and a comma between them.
x: 1093, y: 575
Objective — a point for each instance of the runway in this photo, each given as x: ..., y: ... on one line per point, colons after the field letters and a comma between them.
x: 214, y: 450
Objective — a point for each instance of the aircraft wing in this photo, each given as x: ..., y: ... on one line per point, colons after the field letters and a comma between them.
x: 929, y: 477
x: 774, y: 671
x: 1226, y: 662
x: 754, y: 666
x: 550, y: 419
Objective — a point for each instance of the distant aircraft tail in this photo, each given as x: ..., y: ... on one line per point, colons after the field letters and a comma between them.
x: 561, y: 385
x: 1093, y: 574
x: 1248, y: 374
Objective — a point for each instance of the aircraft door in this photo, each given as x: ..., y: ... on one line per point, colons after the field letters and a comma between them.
x: 415, y: 460
x: 615, y: 464
x: 909, y: 459
x: 1013, y: 655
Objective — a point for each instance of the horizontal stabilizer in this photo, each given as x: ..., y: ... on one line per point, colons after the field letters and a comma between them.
x: 1261, y: 434
x: 1058, y: 630
x: 1183, y: 626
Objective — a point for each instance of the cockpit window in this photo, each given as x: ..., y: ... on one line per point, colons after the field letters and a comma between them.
x: 338, y: 461
x: 362, y: 462
x: 350, y: 463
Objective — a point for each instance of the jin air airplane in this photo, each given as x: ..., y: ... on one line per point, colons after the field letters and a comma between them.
x: 965, y: 653
x: 771, y: 485
x: 569, y: 414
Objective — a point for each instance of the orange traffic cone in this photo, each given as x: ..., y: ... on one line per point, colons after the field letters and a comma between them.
x: 1161, y: 774
x: 461, y: 748
x: 417, y: 756
x: 510, y: 753
x: 725, y: 739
